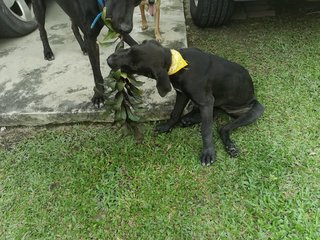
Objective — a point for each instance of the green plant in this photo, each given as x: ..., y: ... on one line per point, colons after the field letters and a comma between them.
x: 125, y: 96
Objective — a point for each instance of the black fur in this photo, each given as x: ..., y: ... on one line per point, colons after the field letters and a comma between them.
x: 208, y: 81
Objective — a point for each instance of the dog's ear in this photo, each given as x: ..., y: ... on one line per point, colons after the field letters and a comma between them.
x: 152, y: 41
x: 163, y: 81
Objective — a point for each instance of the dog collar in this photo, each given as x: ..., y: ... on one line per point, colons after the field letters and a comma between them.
x: 177, y: 62
x: 102, y: 4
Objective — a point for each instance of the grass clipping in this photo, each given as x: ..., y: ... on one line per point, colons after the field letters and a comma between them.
x: 125, y: 97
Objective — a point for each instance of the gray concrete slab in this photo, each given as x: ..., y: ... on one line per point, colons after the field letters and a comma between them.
x: 37, y: 92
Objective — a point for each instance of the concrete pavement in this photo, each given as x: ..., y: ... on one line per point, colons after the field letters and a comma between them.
x: 37, y: 92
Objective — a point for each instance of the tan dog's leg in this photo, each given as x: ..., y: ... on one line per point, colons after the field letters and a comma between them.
x: 144, y: 24
x: 157, y: 26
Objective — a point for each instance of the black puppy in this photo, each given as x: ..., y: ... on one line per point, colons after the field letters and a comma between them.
x: 82, y: 13
x: 209, y: 81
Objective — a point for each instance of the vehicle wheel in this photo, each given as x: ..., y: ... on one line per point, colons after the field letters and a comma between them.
x: 211, y: 13
x: 16, y: 18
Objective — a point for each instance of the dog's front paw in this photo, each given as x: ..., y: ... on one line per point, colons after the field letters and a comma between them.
x: 232, y: 150
x: 144, y: 26
x: 98, y: 101
x: 48, y: 55
x: 190, y: 119
x: 98, y: 98
x: 84, y: 51
x: 207, y: 157
x: 163, y: 128
x: 159, y: 38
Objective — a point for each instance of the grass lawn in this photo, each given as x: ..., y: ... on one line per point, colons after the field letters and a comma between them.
x: 85, y: 182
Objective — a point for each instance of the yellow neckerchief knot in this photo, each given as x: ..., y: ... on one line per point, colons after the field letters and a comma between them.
x: 177, y: 62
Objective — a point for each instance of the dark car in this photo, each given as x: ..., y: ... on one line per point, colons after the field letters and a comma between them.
x: 214, y: 13
x: 16, y: 18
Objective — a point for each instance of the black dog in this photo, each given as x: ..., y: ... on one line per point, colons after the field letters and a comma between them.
x: 209, y: 81
x: 82, y: 13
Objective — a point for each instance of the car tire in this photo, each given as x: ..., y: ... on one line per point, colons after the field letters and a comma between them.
x: 211, y: 13
x: 16, y: 18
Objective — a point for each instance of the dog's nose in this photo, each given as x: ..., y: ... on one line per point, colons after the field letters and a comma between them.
x: 110, y: 61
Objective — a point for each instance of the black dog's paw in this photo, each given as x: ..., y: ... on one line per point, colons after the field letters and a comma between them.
x: 207, y: 157
x: 98, y: 97
x: 190, y: 119
x: 49, y: 56
x: 232, y: 151
x: 84, y: 51
x: 98, y: 100
x: 163, y: 128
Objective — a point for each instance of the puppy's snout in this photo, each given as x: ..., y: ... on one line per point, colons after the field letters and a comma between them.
x: 111, y: 62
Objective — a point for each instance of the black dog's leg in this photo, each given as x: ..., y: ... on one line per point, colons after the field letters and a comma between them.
x: 247, y: 118
x: 208, y: 152
x: 191, y: 118
x: 180, y: 104
x: 129, y: 40
x: 194, y: 117
x: 39, y: 9
x: 77, y: 34
x: 93, y: 52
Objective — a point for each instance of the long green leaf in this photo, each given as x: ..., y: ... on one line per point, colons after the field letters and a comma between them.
x: 120, y: 85
x: 136, y: 91
x: 134, y: 81
x: 111, y: 83
x: 107, y: 22
x: 132, y: 116
x: 109, y: 36
x: 104, y: 14
x: 119, y: 46
x: 118, y: 101
x: 123, y: 113
x: 116, y: 74
x: 124, y: 75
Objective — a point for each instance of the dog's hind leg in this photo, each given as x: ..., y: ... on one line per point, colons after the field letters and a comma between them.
x: 78, y: 36
x: 244, y: 119
x: 39, y: 9
x: 191, y: 118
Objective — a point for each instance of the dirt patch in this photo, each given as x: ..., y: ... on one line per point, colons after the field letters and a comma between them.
x: 10, y: 137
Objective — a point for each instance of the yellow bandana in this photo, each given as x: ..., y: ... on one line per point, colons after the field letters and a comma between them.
x: 177, y: 62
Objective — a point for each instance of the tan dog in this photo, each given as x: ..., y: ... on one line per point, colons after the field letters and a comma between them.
x: 153, y: 7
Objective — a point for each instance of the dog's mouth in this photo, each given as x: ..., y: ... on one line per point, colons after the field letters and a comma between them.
x: 152, y: 9
x: 112, y: 65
